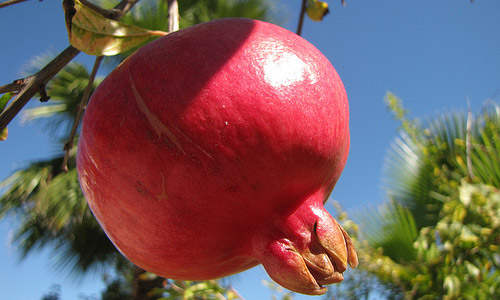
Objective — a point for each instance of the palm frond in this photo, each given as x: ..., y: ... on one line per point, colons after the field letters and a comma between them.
x: 392, y: 228
x: 437, y: 152
x: 54, y: 213
x: 485, y: 146
x: 408, y: 179
x: 66, y: 91
x: 426, y: 164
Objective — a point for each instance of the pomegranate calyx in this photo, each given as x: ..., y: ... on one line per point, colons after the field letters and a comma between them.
x: 337, y: 243
x: 352, y: 256
x: 313, y: 256
x: 287, y: 267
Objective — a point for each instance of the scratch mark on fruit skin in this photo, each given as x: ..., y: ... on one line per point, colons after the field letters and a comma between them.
x: 153, y: 120
x: 161, y: 128
x: 163, y: 195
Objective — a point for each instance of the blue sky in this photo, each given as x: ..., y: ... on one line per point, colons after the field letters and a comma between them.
x: 435, y: 55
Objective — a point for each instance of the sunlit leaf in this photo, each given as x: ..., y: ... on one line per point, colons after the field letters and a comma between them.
x: 95, y: 34
x: 452, y: 286
x: 317, y: 10
x: 3, y: 103
x: 4, y: 100
x: 3, y: 134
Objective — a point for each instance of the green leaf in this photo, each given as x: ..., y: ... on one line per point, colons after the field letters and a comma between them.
x: 452, y: 286
x: 393, y: 229
x: 3, y: 103
x: 473, y: 270
x: 317, y: 10
x: 3, y: 134
x: 94, y: 34
x: 4, y: 100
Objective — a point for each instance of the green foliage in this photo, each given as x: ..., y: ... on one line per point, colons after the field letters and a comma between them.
x: 119, y: 286
x: 393, y: 228
x: 194, y: 11
x: 278, y: 292
x: 54, y: 294
x: 438, y: 236
x: 462, y: 249
x: 154, y: 14
x: 456, y: 259
x: 196, y: 290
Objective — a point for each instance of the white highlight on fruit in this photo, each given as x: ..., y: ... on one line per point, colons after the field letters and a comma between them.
x: 284, y: 69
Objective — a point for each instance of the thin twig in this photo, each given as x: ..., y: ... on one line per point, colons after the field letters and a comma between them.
x: 237, y: 293
x: 10, y: 2
x: 177, y: 288
x: 81, y: 108
x: 123, y: 7
x: 108, y: 13
x: 301, y: 17
x: 220, y: 296
x: 114, y: 13
x: 468, y: 142
x: 36, y: 83
x: 15, y: 86
x: 173, y: 15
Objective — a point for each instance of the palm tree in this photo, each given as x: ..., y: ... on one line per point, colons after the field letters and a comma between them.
x: 49, y: 202
x: 51, y: 208
x: 416, y: 244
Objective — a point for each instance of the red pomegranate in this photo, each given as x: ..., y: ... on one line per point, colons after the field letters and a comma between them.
x: 213, y: 149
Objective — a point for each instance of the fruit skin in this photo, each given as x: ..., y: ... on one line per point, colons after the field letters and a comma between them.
x: 213, y: 149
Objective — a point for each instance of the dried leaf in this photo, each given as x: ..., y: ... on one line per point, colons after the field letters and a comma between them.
x: 94, y: 34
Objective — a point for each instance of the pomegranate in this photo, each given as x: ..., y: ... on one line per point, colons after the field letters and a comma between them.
x: 213, y: 149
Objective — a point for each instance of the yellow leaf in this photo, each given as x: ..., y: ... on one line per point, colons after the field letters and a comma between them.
x: 3, y: 134
x: 316, y: 10
x: 94, y: 34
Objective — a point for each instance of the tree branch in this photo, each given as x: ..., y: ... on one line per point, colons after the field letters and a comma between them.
x: 173, y: 15
x: 81, y: 108
x: 116, y: 13
x: 108, y: 13
x: 237, y: 293
x: 14, y: 86
x: 34, y: 84
x: 468, y: 143
x: 301, y: 17
x: 123, y: 7
x: 10, y: 2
